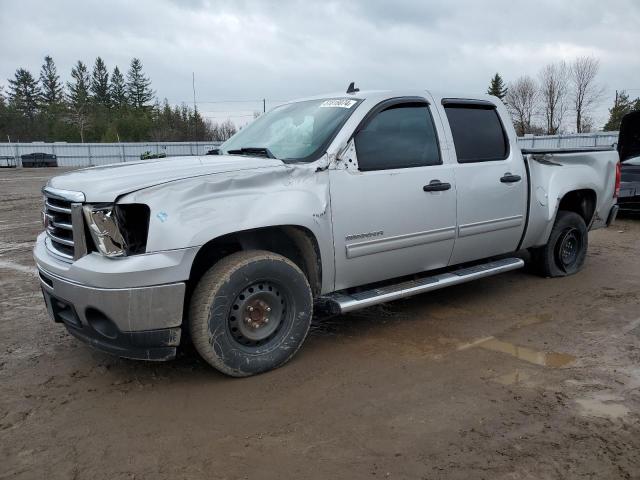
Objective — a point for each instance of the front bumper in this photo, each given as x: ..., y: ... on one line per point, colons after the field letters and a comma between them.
x: 104, y: 318
x: 131, y: 307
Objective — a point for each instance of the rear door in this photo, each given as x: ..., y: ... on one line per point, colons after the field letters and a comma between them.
x: 394, y: 207
x: 491, y: 181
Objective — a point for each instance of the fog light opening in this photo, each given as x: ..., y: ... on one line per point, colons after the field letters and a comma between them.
x: 101, y: 323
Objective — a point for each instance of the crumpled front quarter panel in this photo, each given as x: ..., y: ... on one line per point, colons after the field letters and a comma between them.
x: 193, y: 211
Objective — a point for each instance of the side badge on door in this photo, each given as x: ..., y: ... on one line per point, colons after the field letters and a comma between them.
x: 359, y: 236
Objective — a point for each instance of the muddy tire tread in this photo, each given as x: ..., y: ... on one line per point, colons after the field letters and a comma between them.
x: 207, y: 289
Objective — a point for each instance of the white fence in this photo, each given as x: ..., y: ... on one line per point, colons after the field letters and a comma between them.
x: 88, y: 154
x: 599, y: 139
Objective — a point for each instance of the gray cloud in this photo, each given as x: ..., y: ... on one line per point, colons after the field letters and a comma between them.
x: 284, y: 49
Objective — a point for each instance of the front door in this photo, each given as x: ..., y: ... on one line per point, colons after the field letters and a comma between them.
x: 394, y: 208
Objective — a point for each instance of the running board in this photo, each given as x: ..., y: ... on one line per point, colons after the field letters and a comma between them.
x: 354, y: 301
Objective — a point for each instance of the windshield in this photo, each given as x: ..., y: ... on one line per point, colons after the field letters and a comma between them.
x: 292, y: 132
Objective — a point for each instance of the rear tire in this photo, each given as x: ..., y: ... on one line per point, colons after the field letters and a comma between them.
x: 250, y: 313
x: 565, y: 252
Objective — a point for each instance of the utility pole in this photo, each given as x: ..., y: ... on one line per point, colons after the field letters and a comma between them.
x: 264, y: 105
x: 195, y: 108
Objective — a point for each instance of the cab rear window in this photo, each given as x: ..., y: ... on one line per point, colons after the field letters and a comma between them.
x: 477, y: 132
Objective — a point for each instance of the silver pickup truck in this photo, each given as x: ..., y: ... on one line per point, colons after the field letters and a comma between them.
x: 338, y: 201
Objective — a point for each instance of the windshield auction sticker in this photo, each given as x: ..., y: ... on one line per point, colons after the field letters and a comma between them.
x: 338, y: 103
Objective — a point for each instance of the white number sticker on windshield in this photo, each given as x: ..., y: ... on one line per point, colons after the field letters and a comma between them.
x: 338, y: 103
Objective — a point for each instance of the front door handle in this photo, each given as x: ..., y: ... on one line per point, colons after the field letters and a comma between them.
x: 436, y: 186
x: 510, y: 178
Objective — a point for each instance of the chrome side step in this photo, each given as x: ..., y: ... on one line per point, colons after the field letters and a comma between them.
x: 354, y: 301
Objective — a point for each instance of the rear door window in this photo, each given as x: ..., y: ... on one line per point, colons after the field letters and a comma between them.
x: 400, y: 136
x: 477, y: 132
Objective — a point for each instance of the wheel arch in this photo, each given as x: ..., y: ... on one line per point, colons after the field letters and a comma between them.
x: 295, y: 242
x: 581, y: 201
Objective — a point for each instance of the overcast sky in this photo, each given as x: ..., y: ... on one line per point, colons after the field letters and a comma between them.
x: 248, y: 50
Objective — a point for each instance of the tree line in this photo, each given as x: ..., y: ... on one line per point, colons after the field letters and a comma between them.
x: 97, y: 106
x: 100, y: 106
x: 561, y: 98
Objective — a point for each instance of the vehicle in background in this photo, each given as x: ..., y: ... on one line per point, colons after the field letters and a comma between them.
x: 151, y: 156
x: 629, y: 149
x: 342, y: 201
x: 38, y: 159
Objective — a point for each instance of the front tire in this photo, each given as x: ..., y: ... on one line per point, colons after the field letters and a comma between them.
x: 565, y: 252
x: 250, y: 313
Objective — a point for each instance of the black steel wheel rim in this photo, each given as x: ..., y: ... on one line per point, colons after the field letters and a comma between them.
x: 569, y: 246
x: 258, y: 314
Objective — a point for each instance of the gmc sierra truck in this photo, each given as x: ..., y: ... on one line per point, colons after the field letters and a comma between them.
x: 338, y: 201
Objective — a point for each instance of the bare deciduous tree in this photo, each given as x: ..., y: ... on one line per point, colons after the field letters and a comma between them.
x: 521, y: 100
x: 586, y: 93
x: 222, y: 131
x: 554, y: 89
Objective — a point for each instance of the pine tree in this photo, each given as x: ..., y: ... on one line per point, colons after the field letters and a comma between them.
x: 100, y: 84
x: 139, y: 91
x: 52, y: 89
x: 79, y: 87
x: 79, y: 97
x: 621, y: 106
x: 4, y: 116
x: 118, y: 89
x: 497, y: 88
x: 24, y: 93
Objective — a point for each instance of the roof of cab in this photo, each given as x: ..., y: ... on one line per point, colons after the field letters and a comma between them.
x: 381, y: 95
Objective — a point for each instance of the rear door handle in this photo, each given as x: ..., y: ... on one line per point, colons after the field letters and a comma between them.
x: 436, y: 186
x: 510, y: 178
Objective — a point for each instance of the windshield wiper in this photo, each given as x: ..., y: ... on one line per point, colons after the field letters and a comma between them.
x: 255, y: 151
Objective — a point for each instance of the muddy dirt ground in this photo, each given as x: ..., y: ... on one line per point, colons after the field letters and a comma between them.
x: 509, y: 377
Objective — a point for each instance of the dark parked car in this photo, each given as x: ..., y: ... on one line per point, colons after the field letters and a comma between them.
x: 629, y: 148
x: 39, y: 159
x: 151, y: 156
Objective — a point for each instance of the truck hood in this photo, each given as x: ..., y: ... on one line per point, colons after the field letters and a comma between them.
x: 106, y: 183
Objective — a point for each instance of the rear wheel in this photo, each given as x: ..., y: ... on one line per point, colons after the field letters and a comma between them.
x: 250, y: 313
x: 565, y: 252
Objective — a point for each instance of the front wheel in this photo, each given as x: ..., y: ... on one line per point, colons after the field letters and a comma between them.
x: 565, y: 252
x: 250, y: 313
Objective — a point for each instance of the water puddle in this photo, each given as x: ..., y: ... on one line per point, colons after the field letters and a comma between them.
x: 602, y: 406
x: 545, y: 359
x: 513, y: 378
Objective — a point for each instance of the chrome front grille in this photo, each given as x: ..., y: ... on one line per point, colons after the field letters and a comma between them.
x: 62, y: 218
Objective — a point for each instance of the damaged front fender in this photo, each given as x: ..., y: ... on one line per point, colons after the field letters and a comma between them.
x: 194, y: 211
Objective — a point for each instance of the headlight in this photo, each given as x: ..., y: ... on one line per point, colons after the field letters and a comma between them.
x: 104, y: 230
x: 118, y: 230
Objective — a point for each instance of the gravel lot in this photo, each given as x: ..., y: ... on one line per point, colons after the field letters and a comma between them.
x: 509, y: 377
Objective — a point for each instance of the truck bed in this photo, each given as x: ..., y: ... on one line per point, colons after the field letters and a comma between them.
x: 539, y: 151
